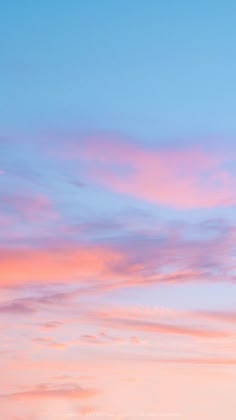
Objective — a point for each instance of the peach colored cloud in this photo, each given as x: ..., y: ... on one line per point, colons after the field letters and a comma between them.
x: 107, y: 266
x: 200, y: 361
x: 87, y: 410
x: 106, y: 339
x: 181, y: 178
x: 50, y: 342
x: 80, y: 263
x: 45, y: 391
x: 53, y: 265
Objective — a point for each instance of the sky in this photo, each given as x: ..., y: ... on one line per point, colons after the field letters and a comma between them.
x: 117, y: 210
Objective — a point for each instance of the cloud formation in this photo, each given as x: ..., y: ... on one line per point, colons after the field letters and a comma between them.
x: 173, y: 255
x: 182, y: 178
x: 80, y: 269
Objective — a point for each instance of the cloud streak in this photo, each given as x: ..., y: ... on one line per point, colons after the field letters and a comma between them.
x: 131, y: 323
x: 45, y: 391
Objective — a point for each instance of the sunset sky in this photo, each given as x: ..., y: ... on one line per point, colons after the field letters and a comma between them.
x: 117, y: 210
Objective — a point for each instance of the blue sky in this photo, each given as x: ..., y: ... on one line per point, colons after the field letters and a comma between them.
x: 165, y: 70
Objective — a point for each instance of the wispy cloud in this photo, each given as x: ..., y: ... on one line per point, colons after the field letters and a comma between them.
x: 149, y: 326
x: 50, y: 342
x: 183, y: 178
x: 130, y: 259
x: 28, y: 206
x: 48, y: 391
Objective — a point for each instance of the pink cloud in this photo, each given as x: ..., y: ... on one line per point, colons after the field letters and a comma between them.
x: 27, y: 205
x: 16, y: 308
x: 181, y: 178
x: 122, y: 263
x: 58, y: 264
x: 49, y: 342
x: 166, y: 314
x: 51, y: 325
x: 164, y: 328
x: 200, y: 361
x: 225, y: 316
x: 156, y: 321
x: 112, y: 266
x: 107, y: 339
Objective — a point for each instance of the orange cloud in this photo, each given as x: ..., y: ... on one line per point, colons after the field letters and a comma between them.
x: 81, y: 263
x: 87, y: 410
x: 49, y: 265
x: 45, y: 391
